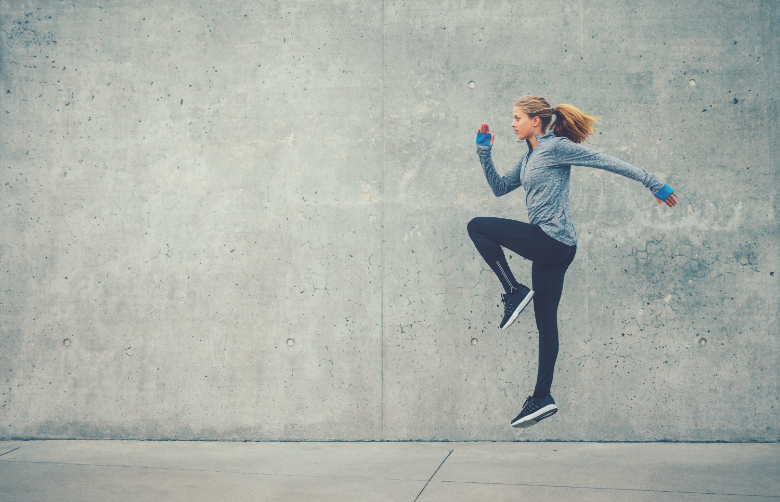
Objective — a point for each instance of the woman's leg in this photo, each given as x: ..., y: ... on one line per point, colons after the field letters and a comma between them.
x: 548, y: 284
x: 529, y: 241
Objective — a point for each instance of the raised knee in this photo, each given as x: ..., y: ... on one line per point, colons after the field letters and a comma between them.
x: 473, y: 225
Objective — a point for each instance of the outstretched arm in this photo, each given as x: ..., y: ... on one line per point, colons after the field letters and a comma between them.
x: 501, y: 185
x: 570, y: 153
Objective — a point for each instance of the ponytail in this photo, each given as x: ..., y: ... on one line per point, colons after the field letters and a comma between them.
x: 573, y: 124
x: 569, y: 121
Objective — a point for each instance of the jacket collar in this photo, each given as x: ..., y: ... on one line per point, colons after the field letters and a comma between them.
x: 550, y: 134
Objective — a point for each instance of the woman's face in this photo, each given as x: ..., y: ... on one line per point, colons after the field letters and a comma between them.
x: 525, y: 126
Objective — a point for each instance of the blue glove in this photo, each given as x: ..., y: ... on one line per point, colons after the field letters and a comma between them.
x: 662, y: 194
x: 483, y: 139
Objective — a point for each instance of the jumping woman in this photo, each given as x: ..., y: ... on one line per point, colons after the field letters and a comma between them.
x: 549, y: 239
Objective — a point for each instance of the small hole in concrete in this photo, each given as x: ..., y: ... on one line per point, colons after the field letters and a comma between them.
x: 66, y: 342
x: 290, y: 341
x: 691, y: 82
x: 472, y: 84
x: 702, y: 341
x: 474, y: 341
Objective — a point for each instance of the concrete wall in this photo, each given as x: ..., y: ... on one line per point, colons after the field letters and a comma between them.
x: 248, y: 219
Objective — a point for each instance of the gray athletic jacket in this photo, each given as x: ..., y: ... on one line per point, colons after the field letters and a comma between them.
x: 545, y: 174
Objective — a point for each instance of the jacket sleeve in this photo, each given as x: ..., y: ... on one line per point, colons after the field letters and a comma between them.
x: 501, y: 185
x: 570, y: 153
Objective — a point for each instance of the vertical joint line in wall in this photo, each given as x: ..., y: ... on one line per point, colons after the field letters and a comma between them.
x: 587, y: 276
x: 382, y: 248
x: 581, y: 14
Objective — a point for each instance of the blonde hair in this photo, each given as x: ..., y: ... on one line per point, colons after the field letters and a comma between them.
x: 569, y: 121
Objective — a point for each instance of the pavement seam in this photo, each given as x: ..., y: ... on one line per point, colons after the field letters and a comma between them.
x: 160, y: 468
x: 9, y: 451
x: 616, y: 489
x: 432, y: 475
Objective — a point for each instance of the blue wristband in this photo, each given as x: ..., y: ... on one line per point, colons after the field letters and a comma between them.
x: 483, y: 139
x: 664, y: 193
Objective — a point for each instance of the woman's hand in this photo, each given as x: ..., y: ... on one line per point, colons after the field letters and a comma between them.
x: 671, y: 201
x: 484, y: 129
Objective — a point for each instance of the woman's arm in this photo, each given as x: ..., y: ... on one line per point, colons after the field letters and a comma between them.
x: 569, y: 153
x: 501, y: 185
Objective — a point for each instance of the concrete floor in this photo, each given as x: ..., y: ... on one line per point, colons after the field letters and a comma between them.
x: 193, y: 471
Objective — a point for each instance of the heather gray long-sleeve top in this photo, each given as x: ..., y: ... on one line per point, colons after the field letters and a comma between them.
x: 545, y: 173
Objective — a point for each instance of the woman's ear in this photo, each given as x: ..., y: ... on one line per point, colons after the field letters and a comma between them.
x: 536, y: 121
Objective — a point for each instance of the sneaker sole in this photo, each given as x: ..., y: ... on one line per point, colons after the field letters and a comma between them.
x: 536, y: 417
x: 519, y: 309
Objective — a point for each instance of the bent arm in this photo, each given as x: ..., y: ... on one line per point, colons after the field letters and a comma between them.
x: 570, y: 153
x: 501, y: 185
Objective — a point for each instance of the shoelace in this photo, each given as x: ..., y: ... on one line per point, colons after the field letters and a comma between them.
x: 527, y: 403
x: 509, y: 307
x: 506, y: 303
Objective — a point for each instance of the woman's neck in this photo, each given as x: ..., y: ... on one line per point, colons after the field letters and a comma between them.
x: 532, y: 142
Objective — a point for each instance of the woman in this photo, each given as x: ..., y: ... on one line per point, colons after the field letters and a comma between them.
x: 549, y: 239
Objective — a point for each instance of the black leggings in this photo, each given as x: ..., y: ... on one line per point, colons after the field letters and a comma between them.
x: 550, y: 260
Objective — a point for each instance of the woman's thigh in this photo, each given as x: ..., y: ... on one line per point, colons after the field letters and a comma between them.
x: 525, y: 239
x: 547, y: 283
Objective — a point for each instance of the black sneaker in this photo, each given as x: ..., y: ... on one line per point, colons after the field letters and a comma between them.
x: 534, y: 411
x: 514, y: 304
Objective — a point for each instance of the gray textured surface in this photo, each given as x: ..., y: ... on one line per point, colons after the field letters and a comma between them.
x: 188, y: 186
x: 132, y: 470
